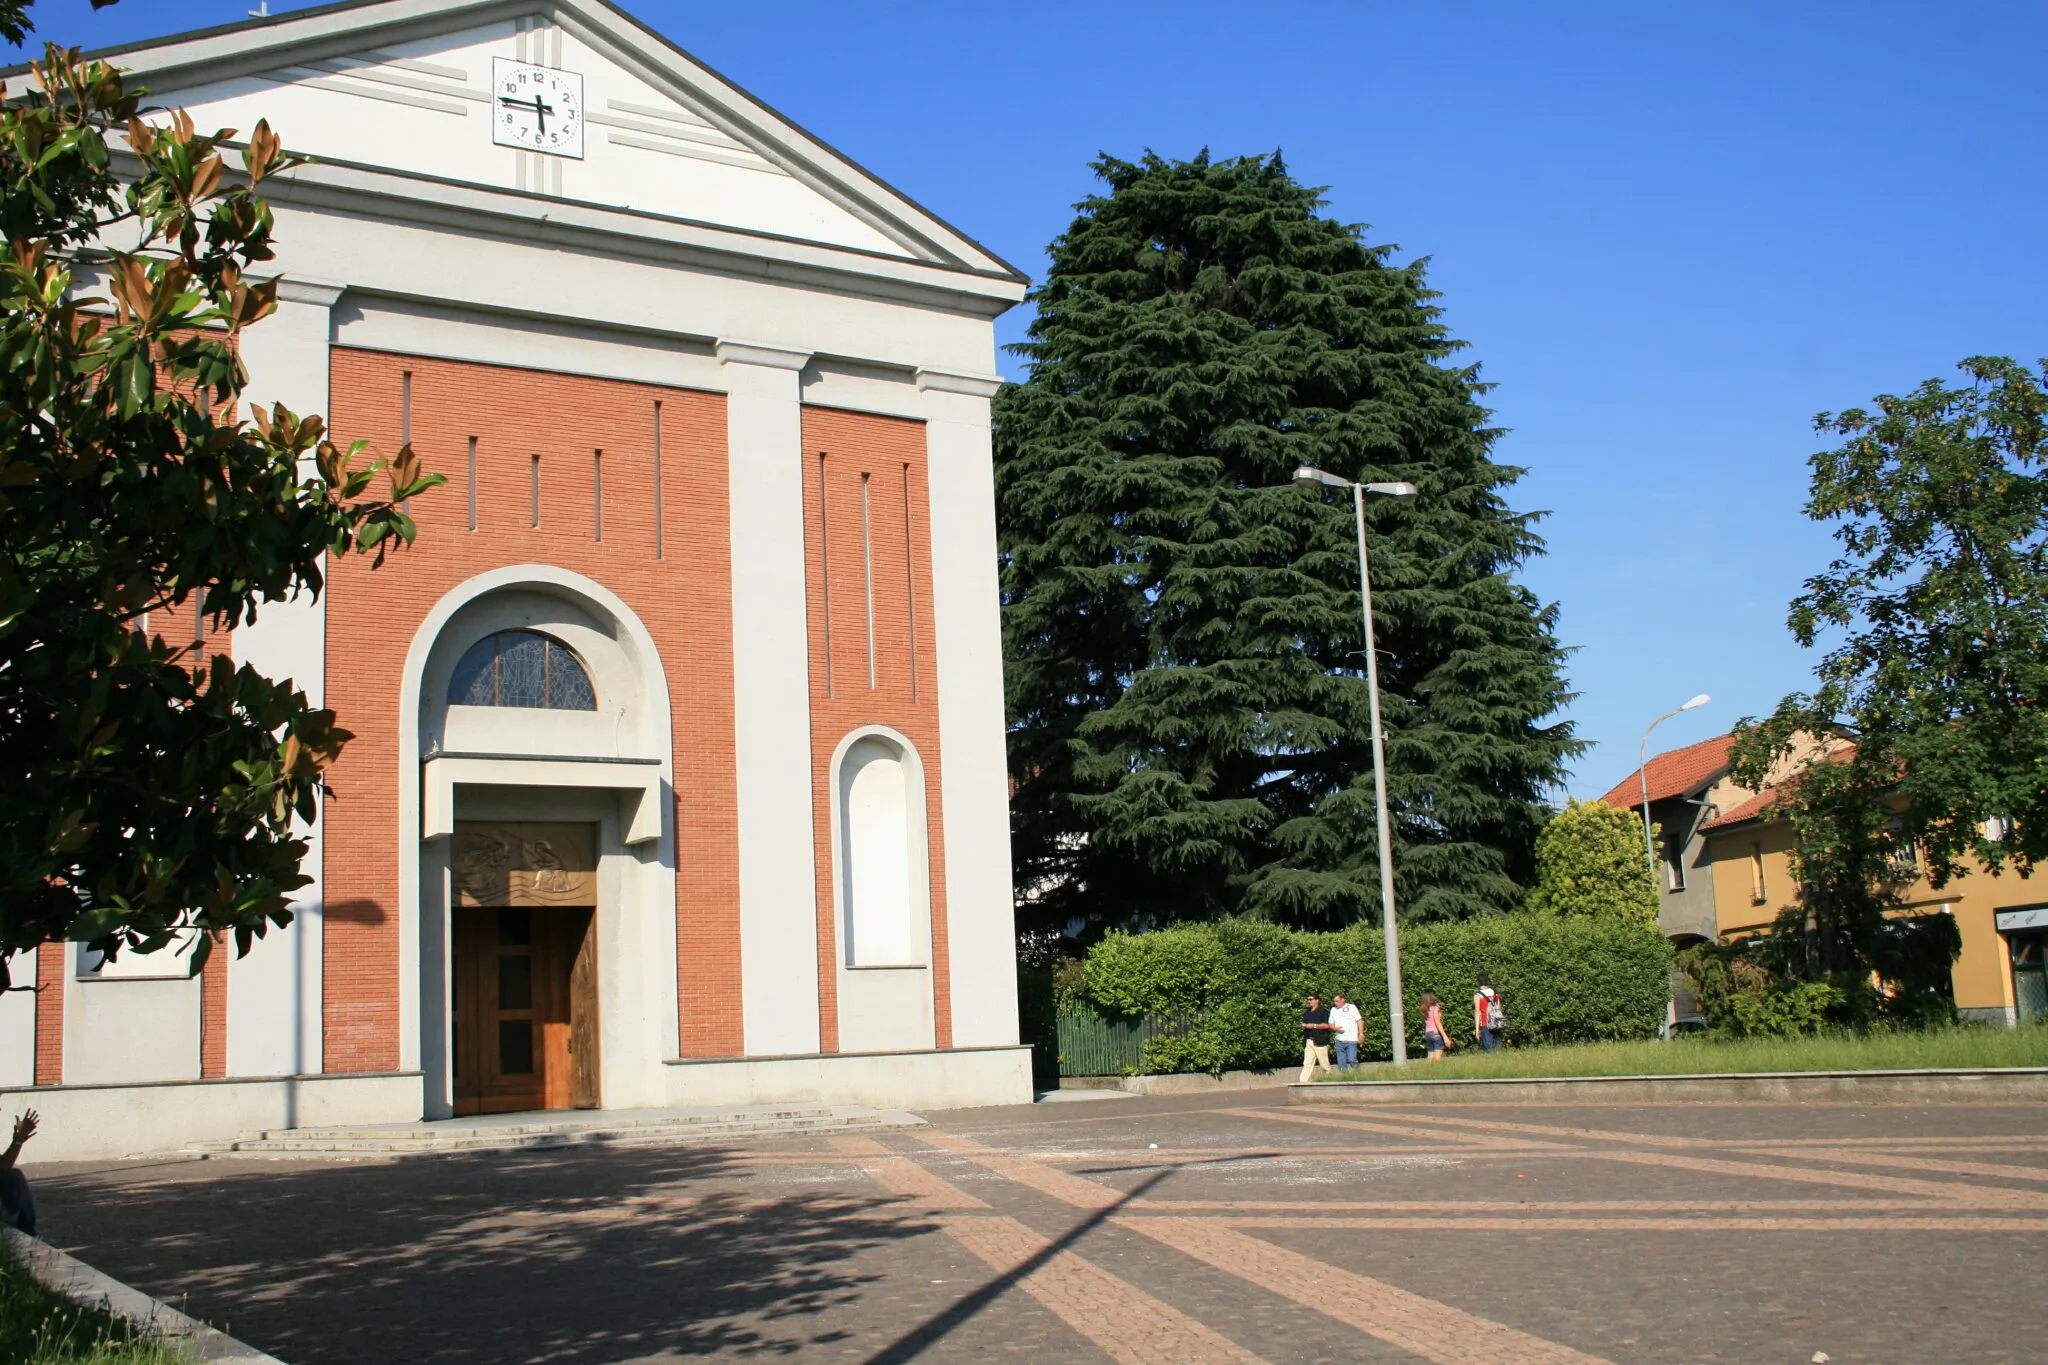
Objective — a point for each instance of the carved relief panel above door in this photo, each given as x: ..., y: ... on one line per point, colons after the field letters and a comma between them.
x: 524, y: 862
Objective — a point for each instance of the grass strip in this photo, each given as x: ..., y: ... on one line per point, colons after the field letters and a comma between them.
x: 39, y: 1326
x: 1965, y: 1046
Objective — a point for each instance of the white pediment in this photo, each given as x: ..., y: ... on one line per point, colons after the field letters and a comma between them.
x: 405, y: 86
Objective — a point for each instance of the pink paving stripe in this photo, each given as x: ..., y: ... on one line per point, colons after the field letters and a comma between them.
x: 1128, y: 1324
x: 1457, y: 1143
x: 1432, y: 1330
x: 1068, y: 1189
x: 1895, y: 1161
x: 900, y: 1175
x: 1694, y: 1225
x: 1452, y: 1207
x: 1952, y: 1193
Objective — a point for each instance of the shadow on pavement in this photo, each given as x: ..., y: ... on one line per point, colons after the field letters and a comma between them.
x: 563, y: 1257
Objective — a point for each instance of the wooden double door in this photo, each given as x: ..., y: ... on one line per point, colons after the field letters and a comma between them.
x: 523, y: 968
x: 525, y: 1006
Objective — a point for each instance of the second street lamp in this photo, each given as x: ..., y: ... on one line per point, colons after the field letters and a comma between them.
x: 1309, y: 477
x: 1643, y: 772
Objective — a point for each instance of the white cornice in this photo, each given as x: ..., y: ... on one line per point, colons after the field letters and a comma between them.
x: 319, y: 293
x: 949, y: 381
x: 761, y: 354
x: 570, y: 224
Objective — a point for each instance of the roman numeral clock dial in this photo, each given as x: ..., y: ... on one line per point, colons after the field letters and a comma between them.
x: 536, y: 108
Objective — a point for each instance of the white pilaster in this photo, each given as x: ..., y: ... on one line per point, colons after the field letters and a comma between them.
x: 274, y: 994
x: 981, y: 930
x: 772, y: 699
x: 18, y: 1024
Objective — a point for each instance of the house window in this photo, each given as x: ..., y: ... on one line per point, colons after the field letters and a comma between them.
x: 521, y: 668
x: 1758, y: 893
x: 1674, y: 865
x: 881, y: 877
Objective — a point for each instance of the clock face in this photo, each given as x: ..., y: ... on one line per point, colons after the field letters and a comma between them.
x: 536, y: 108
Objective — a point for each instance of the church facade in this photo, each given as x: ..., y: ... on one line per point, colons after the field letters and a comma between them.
x: 678, y: 775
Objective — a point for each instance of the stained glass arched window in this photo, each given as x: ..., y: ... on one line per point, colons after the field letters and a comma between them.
x: 521, y: 668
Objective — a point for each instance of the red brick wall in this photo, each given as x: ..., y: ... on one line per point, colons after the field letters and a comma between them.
x: 684, y: 598
x: 213, y: 1008
x: 839, y: 448
x: 51, y: 959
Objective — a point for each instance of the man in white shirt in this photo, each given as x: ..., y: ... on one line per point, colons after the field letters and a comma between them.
x: 1350, y: 1030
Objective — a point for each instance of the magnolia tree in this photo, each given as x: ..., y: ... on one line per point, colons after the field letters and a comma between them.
x: 148, y: 788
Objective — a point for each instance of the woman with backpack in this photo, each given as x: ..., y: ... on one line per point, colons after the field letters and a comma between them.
x: 1433, y: 1036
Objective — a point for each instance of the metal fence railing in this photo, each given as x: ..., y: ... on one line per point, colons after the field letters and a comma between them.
x: 1090, y: 1045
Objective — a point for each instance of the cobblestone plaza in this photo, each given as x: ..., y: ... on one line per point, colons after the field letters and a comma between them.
x: 1227, y: 1228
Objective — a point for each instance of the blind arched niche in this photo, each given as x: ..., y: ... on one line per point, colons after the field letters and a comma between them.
x: 882, y: 912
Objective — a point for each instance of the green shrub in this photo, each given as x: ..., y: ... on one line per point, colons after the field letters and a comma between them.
x: 1744, y: 993
x: 1236, y: 986
x: 1591, y: 861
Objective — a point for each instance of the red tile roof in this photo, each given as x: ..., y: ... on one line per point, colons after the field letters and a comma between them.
x: 1678, y: 773
x: 1756, y: 805
x: 1746, y: 811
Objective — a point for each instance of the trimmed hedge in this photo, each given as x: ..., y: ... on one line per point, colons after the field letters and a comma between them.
x: 1561, y: 980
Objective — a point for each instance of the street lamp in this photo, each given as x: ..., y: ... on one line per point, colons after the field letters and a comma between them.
x: 1643, y: 772
x: 1309, y: 476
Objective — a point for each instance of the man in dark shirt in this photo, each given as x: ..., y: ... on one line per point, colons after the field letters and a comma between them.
x: 1315, y: 1036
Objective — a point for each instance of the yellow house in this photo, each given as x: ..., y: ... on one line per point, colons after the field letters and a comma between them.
x: 2003, y: 919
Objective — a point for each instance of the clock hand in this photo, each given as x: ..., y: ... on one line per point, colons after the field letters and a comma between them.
x: 541, y: 110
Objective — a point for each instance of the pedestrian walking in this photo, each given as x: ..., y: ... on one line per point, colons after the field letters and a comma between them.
x: 1315, y: 1039
x: 1488, y: 1017
x: 1349, y: 1026
x: 1433, y: 1036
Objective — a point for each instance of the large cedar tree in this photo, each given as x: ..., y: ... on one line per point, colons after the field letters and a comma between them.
x: 1189, y: 732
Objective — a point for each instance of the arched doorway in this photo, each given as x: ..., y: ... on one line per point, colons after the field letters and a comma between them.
x: 546, y: 912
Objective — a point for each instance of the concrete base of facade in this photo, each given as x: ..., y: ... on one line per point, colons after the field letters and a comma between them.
x: 2001, y: 1016
x: 963, y: 1078
x: 1991, y: 1085
x: 100, y: 1122
x: 1196, y: 1083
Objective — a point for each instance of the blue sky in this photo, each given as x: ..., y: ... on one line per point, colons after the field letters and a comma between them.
x: 1669, y: 233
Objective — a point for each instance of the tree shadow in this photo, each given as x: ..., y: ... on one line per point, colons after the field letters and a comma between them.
x: 581, y: 1257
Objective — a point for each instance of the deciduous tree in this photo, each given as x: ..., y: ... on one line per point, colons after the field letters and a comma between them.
x: 150, y: 787
x: 1590, y: 862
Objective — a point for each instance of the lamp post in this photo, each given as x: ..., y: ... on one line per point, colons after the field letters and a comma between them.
x: 1643, y: 772
x: 1309, y: 476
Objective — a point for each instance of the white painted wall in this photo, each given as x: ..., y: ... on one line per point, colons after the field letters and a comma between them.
x: 428, y: 104
x: 874, y: 854
x: 275, y: 993
x: 771, y: 700
x: 968, y: 1079
x: 128, y: 1030
x: 981, y: 935
x: 100, y: 1122
x: 18, y: 1023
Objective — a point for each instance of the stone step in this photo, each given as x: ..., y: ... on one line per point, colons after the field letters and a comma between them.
x: 624, y: 1129
x: 583, y: 1121
x: 471, y: 1142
